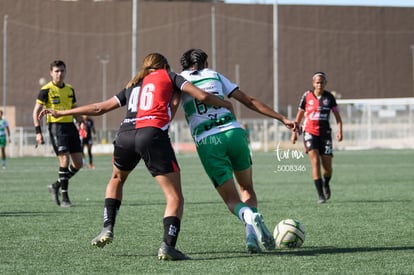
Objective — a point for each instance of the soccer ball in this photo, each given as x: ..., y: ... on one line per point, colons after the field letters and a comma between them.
x: 289, y: 233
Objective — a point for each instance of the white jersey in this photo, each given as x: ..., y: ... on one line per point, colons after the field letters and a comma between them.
x: 205, y: 120
x: 3, y: 126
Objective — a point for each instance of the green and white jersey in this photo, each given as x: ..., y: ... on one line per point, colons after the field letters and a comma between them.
x: 205, y: 120
x: 3, y: 126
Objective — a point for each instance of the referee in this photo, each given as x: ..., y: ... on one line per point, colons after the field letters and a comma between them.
x: 58, y: 95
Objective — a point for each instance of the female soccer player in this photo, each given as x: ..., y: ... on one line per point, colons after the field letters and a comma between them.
x: 4, y: 138
x: 316, y: 105
x: 144, y: 135
x: 222, y: 144
x: 87, y: 134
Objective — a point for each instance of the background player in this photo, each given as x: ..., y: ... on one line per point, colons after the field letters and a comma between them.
x: 316, y: 105
x: 64, y: 136
x: 87, y: 134
x: 4, y: 138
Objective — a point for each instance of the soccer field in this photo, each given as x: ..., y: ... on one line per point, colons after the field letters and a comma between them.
x: 367, y: 227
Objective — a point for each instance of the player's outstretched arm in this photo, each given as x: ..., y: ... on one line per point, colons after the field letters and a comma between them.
x: 94, y: 109
x: 261, y: 108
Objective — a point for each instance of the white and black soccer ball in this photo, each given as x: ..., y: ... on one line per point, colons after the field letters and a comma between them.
x: 289, y: 233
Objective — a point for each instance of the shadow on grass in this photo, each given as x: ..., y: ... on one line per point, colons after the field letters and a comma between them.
x: 163, y: 203
x: 303, y: 252
x: 26, y: 213
x: 193, y: 255
x: 333, y: 202
x: 375, y: 201
x: 314, y: 251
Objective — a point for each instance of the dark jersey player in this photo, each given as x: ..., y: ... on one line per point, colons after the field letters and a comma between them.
x: 87, y: 133
x: 315, y: 106
x: 151, y: 98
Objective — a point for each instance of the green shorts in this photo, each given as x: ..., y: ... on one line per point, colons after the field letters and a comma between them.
x: 3, y: 141
x: 223, y: 153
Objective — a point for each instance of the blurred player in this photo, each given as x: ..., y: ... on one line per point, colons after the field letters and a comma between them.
x: 316, y: 105
x: 4, y: 138
x: 87, y: 134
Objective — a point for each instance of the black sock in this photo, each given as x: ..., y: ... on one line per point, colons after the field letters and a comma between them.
x: 326, y: 181
x: 318, y: 185
x: 64, y: 181
x: 110, y: 212
x: 72, y: 171
x: 56, y: 184
x: 171, y: 230
x: 90, y: 158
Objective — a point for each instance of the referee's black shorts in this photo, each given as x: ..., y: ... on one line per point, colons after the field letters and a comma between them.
x: 64, y: 138
x: 151, y: 144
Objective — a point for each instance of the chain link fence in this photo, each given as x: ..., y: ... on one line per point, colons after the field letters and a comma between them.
x: 367, y: 124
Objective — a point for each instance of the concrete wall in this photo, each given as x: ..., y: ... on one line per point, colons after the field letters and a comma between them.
x: 364, y: 50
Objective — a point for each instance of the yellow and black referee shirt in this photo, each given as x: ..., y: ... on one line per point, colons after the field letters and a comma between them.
x: 53, y: 97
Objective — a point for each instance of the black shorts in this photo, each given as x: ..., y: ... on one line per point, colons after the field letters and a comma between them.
x: 64, y: 138
x: 321, y: 143
x: 86, y: 141
x: 151, y: 144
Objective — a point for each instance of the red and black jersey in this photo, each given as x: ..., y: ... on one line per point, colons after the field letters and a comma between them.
x: 317, y: 111
x: 148, y: 102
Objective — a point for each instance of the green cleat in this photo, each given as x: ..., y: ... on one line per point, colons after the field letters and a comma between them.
x: 252, y: 245
x: 169, y: 253
x: 105, y: 237
x: 263, y: 234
